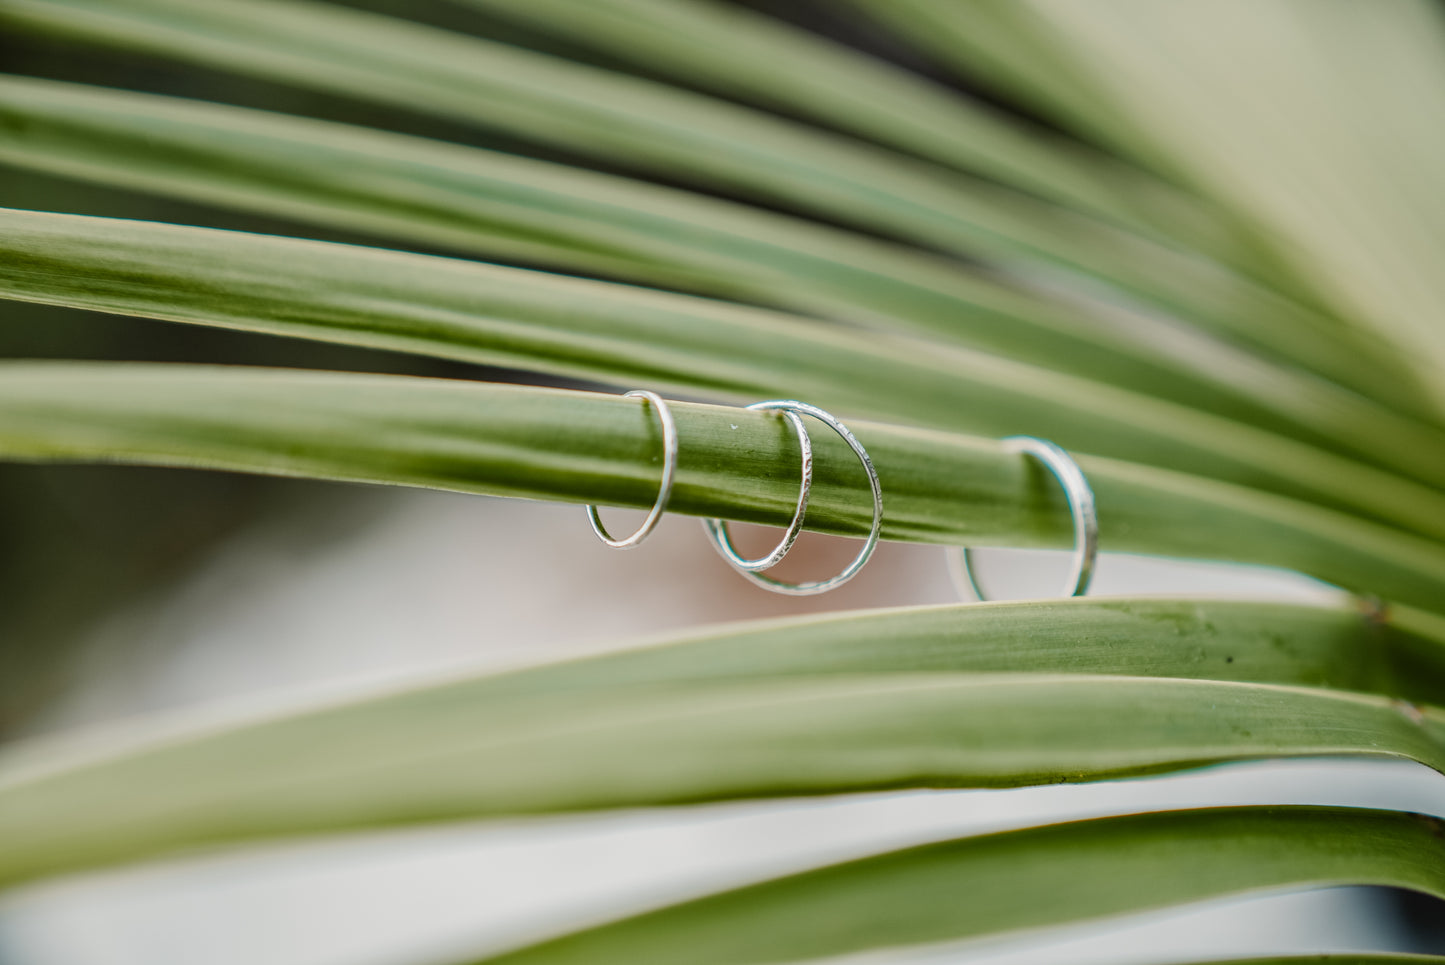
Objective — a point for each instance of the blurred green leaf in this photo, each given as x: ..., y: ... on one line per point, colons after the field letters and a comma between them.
x: 1347, y: 185
x: 605, y: 114
x: 734, y: 51
x: 436, y: 193
x: 1019, y: 879
x: 905, y: 701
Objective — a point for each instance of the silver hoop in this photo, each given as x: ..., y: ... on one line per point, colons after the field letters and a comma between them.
x: 717, y: 529
x: 788, y: 407
x: 664, y: 489
x: 1081, y: 506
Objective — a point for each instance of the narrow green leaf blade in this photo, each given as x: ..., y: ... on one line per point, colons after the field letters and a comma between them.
x: 477, y: 201
x: 611, y: 333
x: 701, y: 722
x: 496, y: 204
x: 586, y: 448
x: 1022, y: 879
x: 1244, y: 642
x: 741, y: 53
x: 677, y: 133
x: 1348, y: 186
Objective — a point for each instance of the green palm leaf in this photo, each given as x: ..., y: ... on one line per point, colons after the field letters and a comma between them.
x: 1342, y: 186
x: 475, y: 313
x: 942, y: 698
x: 580, y: 447
x: 1217, y: 295
x: 999, y: 883
x: 600, y: 113
x: 428, y: 192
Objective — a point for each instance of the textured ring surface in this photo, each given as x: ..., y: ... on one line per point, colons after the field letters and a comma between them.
x: 717, y: 529
x: 664, y: 490
x: 718, y: 532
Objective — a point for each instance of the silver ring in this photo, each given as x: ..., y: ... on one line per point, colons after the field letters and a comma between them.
x: 717, y: 529
x: 788, y: 407
x: 664, y: 490
x: 1081, y: 506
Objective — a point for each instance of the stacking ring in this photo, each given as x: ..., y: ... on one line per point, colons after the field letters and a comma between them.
x: 1081, y: 506
x: 717, y: 529
x: 664, y: 490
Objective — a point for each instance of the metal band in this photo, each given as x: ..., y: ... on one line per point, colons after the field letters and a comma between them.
x: 664, y: 490
x: 1081, y: 506
x: 717, y: 529
x: 788, y: 407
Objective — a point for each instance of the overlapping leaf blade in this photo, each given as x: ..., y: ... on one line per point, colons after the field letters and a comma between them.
x: 605, y: 114
x: 1000, y: 883
x: 982, y: 696
x: 424, y: 191
x: 906, y: 702
x: 1349, y: 190
x: 573, y: 327
x: 763, y: 59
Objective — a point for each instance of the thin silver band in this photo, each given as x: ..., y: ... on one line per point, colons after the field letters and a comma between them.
x: 664, y: 490
x: 717, y: 529
x: 1081, y: 506
x: 788, y: 407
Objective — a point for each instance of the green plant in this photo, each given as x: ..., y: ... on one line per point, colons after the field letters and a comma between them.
x: 1230, y: 315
